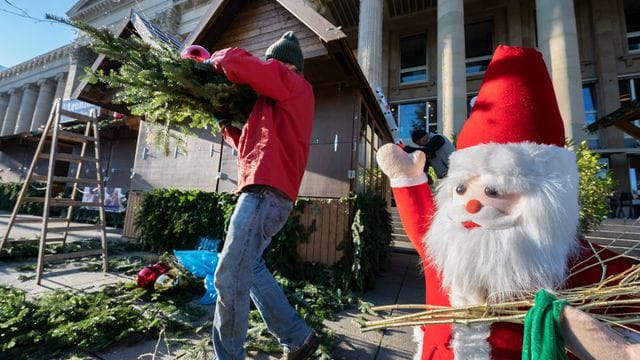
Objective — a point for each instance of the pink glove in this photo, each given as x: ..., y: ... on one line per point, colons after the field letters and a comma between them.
x: 195, y: 52
x: 399, y: 165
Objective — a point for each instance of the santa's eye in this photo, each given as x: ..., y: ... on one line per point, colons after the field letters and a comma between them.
x: 490, y: 192
x: 461, y: 189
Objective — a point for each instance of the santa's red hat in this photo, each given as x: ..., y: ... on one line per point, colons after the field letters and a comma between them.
x: 516, y: 102
x: 514, y: 137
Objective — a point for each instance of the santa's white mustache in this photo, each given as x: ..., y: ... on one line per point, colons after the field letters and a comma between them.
x: 488, y: 217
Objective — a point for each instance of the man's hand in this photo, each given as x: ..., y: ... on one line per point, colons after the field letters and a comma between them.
x: 409, y: 149
x: 222, y: 119
x: 587, y: 338
x: 397, y: 164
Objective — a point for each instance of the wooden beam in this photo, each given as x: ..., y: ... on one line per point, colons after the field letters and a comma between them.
x: 314, y: 21
x: 629, y: 128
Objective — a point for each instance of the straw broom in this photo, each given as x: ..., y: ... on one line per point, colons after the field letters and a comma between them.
x: 614, y: 300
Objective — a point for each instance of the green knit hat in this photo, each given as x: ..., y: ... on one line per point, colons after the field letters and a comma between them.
x: 287, y: 49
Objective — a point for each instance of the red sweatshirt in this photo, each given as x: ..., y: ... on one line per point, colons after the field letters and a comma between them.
x: 273, y: 145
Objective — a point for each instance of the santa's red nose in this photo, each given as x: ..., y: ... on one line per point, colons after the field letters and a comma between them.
x: 473, y: 206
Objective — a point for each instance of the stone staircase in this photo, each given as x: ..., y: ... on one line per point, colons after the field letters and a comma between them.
x: 401, y: 241
x: 619, y: 235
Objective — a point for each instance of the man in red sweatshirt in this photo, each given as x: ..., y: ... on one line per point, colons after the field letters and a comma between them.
x: 273, y: 147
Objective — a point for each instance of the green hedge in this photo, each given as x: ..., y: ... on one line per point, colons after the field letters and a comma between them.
x: 365, y: 257
x: 9, y: 195
x: 169, y: 219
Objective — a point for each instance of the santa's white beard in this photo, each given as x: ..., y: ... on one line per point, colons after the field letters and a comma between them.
x: 503, y: 259
x: 507, y: 257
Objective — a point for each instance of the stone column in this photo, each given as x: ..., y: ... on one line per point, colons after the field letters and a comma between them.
x: 43, y: 105
x: 9, y: 123
x: 558, y: 42
x: 61, y: 84
x: 452, y: 78
x: 29, y: 97
x: 4, y: 102
x: 370, y: 40
x: 605, y: 60
x: 514, y: 22
x: 80, y: 58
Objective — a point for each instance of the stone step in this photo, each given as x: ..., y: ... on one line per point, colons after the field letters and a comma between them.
x: 628, y: 243
x: 401, y: 243
x: 400, y: 237
x: 615, y: 235
x: 633, y: 226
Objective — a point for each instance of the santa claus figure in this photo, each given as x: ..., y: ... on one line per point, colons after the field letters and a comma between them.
x: 507, y: 216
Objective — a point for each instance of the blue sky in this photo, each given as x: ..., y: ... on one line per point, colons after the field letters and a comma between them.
x: 24, y: 38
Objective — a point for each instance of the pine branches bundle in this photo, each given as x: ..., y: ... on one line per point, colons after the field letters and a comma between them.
x: 155, y: 83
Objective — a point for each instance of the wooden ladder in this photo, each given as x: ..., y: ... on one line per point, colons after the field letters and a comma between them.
x: 57, y: 229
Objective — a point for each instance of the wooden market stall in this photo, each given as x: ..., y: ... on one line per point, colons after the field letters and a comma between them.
x: 349, y: 125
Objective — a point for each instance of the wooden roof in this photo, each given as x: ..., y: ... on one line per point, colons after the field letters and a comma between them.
x: 335, y: 64
x: 328, y: 56
x: 254, y: 25
x: 622, y: 119
x: 221, y: 13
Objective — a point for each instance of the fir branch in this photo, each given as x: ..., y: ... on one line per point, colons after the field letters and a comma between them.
x: 155, y: 83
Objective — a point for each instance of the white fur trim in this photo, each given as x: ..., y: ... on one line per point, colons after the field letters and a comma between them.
x: 470, y: 342
x: 527, y: 161
x: 410, y: 181
x: 418, y: 338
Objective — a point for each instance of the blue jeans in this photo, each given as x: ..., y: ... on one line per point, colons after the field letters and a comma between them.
x: 241, y: 274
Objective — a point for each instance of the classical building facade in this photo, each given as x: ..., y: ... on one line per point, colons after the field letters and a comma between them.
x: 428, y: 57
x: 28, y: 90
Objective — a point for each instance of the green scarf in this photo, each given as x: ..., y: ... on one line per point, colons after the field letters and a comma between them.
x: 542, y: 331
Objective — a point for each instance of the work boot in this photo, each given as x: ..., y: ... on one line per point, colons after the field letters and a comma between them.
x: 310, y: 346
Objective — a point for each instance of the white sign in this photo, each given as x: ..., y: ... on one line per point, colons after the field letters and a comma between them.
x: 77, y: 106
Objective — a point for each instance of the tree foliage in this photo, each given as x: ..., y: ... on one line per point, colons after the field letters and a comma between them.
x: 596, y: 185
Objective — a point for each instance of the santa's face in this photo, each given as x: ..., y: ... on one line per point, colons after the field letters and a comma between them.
x: 482, y: 205
x: 497, y: 236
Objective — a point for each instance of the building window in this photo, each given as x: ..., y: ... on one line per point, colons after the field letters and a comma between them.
x: 413, y: 59
x: 478, y: 46
x: 632, y: 19
x: 590, y: 113
x: 368, y: 176
x: 415, y: 115
x: 629, y: 91
x: 589, y: 100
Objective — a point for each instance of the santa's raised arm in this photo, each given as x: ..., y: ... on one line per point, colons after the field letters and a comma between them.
x: 507, y: 212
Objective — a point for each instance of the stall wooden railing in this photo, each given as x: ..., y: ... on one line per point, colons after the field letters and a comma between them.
x: 330, y: 218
